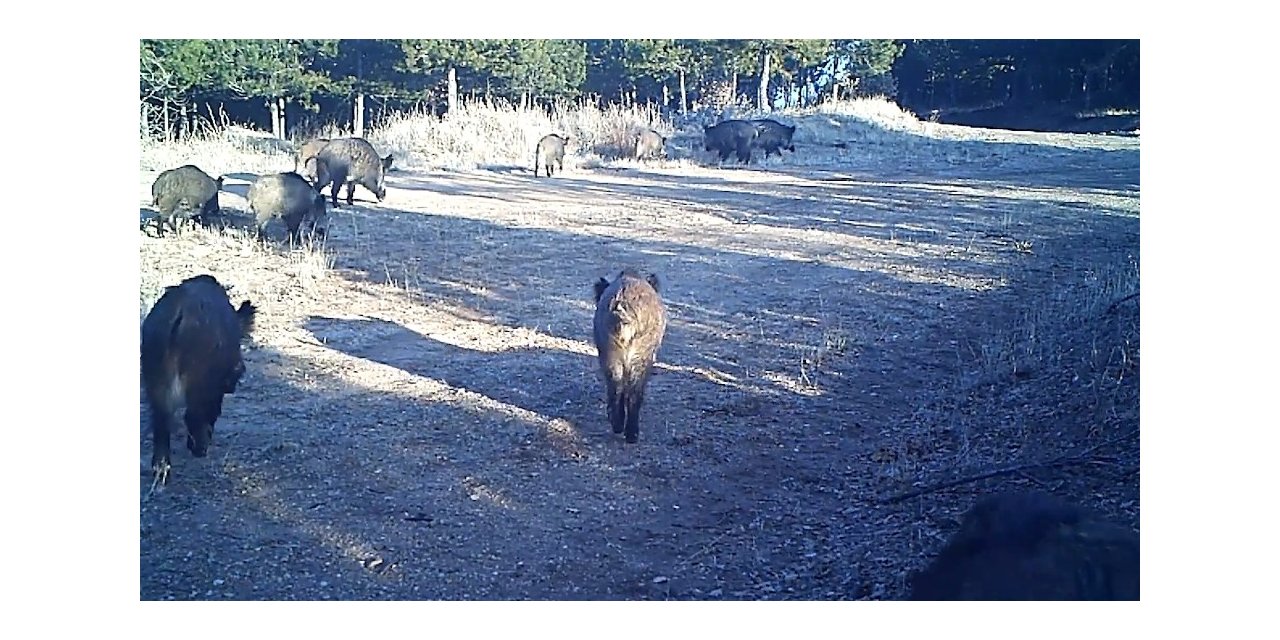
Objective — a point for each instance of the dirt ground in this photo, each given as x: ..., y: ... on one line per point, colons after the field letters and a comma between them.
x: 425, y: 422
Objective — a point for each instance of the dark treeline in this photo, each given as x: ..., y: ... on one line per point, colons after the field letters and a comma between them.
x: 280, y: 85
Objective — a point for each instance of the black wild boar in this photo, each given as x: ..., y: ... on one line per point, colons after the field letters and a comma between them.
x: 190, y: 358
x: 1031, y: 546
x: 353, y: 161
x: 184, y: 192
x: 731, y: 136
x: 550, y: 152
x: 650, y: 144
x: 629, y: 324
x: 773, y: 137
x: 290, y: 198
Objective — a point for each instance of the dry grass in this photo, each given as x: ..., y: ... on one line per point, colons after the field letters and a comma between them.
x: 497, y: 133
x: 1053, y: 374
x: 232, y: 150
x: 879, y: 112
x: 287, y: 279
x: 1110, y: 111
x: 818, y: 360
x: 423, y: 417
x: 1047, y: 335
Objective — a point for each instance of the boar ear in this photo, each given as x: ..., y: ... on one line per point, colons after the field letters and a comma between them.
x: 600, y: 286
x: 247, y: 314
x: 653, y: 282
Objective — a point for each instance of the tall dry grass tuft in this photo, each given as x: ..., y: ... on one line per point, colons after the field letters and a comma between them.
x: 1069, y: 329
x: 609, y: 133
x: 481, y: 133
x: 862, y: 122
x: 283, y: 281
x: 879, y: 111
x: 237, y: 253
x: 220, y: 152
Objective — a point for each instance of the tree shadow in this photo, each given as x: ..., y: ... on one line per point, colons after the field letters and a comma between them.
x: 545, y: 382
x: 787, y: 368
x: 376, y: 488
x: 944, y: 213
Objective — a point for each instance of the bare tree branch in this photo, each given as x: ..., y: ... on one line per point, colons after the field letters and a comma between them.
x: 1083, y: 457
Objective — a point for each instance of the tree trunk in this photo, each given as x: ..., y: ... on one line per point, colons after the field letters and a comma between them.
x: 453, y: 89
x: 357, y: 119
x: 684, y: 96
x: 666, y: 96
x: 762, y: 92
x: 1106, y: 80
x: 274, y: 107
x: 357, y: 114
x: 733, y: 88
x: 183, y: 131
x: 835, y: 91
x: 283, y: 124
x: 142, y: 120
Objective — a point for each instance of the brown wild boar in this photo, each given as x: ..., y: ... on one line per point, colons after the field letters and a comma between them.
x: 629, y: 324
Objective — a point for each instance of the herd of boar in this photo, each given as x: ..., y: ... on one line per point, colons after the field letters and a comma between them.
x: 292, y: 197
x: 1009, y: 546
